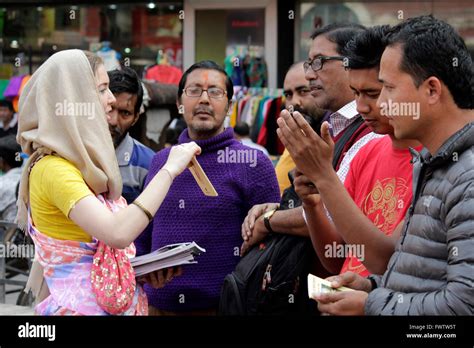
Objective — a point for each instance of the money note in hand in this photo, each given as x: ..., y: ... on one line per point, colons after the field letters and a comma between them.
x: 318, y: 285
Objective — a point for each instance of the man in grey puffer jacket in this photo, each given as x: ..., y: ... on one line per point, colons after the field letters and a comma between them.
x: 426, y: 68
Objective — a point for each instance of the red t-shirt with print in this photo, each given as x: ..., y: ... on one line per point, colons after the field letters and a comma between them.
x: 380, y: 183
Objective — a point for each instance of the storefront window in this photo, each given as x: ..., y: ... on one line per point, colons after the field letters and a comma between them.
x: 220, y: 33
x: 313, y: 14
x: 142, y: 33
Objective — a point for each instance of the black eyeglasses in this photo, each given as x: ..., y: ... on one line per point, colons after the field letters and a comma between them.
x: 318, y: 62
x: 213, y: 92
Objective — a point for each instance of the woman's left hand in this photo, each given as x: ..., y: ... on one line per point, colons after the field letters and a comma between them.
x: 160, y: 278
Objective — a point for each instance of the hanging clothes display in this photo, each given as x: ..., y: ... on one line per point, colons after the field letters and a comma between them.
x: 163, y: 71
x: 13, y: 89
x: 246, y: 70
x: 255, y: 71
x: 259, y: 108
x: 3, y: 86
x: 16, y: 100
x: 110, y: 56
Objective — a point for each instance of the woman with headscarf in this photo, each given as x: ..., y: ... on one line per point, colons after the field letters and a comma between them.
x: 70, y: 192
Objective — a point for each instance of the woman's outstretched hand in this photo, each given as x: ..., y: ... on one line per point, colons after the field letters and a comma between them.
x: 180, y: 156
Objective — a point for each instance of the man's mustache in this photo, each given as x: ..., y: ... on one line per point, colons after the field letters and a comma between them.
x: 299, y: 109
x: 115, y: 130
x: 203, y: 109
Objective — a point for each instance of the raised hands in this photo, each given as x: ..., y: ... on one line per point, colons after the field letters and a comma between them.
x: 312, y: 154
x: 306, y: 189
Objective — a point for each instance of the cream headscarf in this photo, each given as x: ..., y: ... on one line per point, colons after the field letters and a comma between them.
x: 60, y: 112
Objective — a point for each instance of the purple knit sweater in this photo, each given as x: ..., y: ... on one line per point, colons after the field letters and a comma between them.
x: 214, y: 223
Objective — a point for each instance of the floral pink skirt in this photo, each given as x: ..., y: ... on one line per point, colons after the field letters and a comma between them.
x: 67, y: 270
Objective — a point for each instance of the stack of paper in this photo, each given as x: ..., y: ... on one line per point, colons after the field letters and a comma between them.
x: 167, y: 256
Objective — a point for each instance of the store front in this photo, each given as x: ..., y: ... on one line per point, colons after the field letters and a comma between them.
x: 229, y: 31
x: 312, y: 14
x: 137, y: 34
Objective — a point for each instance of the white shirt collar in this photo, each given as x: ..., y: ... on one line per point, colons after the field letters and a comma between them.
x: 349, y: 110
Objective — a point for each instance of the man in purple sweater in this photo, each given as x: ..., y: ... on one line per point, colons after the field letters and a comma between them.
x: 242, y: 176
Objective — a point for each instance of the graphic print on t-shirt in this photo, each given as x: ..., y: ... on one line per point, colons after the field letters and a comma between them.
x: 384, y: 203
x: 383, y: 206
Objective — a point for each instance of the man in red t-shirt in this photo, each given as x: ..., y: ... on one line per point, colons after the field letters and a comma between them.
x: 379, y: 180
x: 380, y: 183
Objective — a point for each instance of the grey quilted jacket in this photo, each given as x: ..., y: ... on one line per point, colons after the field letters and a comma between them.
x: 432, y: 269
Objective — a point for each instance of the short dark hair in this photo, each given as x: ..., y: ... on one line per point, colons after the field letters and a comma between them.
x: 9, y: 150
x: 429, y: 48
x: 366, y: 48
x: 6, y: 103
x: 126, y: 81
x: 207, y: 65
x: 242, y: 129
x: 339, y: 33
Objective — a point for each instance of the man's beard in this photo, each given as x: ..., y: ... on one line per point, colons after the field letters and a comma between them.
x: 117, y: 135
x: 205, y: 131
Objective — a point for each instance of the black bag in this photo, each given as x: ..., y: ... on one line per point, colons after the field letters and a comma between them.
x: 271, y: 279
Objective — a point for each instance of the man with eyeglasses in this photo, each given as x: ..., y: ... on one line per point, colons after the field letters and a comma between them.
x: 329, y: 83
x: 289, y: 221
x: 328, y: 79
x: 242, y: 177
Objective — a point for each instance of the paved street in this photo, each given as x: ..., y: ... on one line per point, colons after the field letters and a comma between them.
x: 10, y: 308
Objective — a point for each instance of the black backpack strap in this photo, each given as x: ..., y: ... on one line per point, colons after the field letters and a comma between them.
x: 346, y: 136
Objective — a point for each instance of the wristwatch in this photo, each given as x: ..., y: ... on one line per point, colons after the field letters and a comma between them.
x: 266, y: 219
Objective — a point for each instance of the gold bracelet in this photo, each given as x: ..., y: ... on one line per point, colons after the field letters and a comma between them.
x: 166, y: 170
x: 147, y: 213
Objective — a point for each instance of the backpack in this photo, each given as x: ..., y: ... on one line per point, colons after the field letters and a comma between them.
x: 270, y: 279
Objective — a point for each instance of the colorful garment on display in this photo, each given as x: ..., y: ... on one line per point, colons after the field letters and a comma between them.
x: 259, y: 108
x: 164, y: 73
x: 15, y: 101
x: 246, y: 70
x: 255, y: 72
x: 3, y: 87
x: 110, y: 58
x: 67, y: 270
x: 13, y: 88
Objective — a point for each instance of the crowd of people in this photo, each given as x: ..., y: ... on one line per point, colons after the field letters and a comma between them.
x: 379, y: 153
